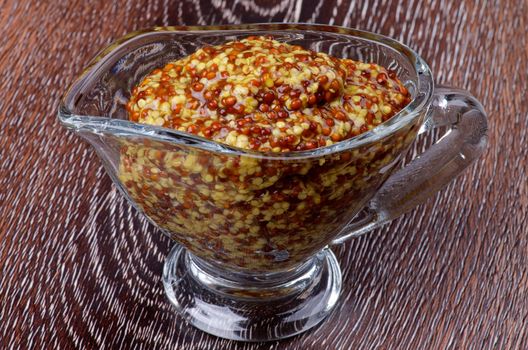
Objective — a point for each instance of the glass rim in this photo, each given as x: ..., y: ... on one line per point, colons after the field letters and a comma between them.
x: 97, y: 124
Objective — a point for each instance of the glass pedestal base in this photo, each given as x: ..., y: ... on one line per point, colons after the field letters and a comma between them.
x: 246, y: 307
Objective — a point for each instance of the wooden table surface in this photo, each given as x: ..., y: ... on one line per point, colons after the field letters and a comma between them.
x: 80, y: 269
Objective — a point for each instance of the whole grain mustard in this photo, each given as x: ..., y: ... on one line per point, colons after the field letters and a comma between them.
x: 265, y: 95
x: 251, y: 213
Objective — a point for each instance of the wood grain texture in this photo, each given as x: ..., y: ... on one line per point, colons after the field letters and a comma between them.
x: 80, y: 269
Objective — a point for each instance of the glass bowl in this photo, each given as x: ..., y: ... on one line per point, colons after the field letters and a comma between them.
x: 252, y: 229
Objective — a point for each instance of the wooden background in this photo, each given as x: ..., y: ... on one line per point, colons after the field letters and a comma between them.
x: 80, y: 269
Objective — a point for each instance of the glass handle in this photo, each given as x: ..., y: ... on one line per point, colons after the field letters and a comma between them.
x: 454, y: 151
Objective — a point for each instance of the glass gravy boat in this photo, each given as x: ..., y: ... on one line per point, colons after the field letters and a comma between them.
x: 252, y: 229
